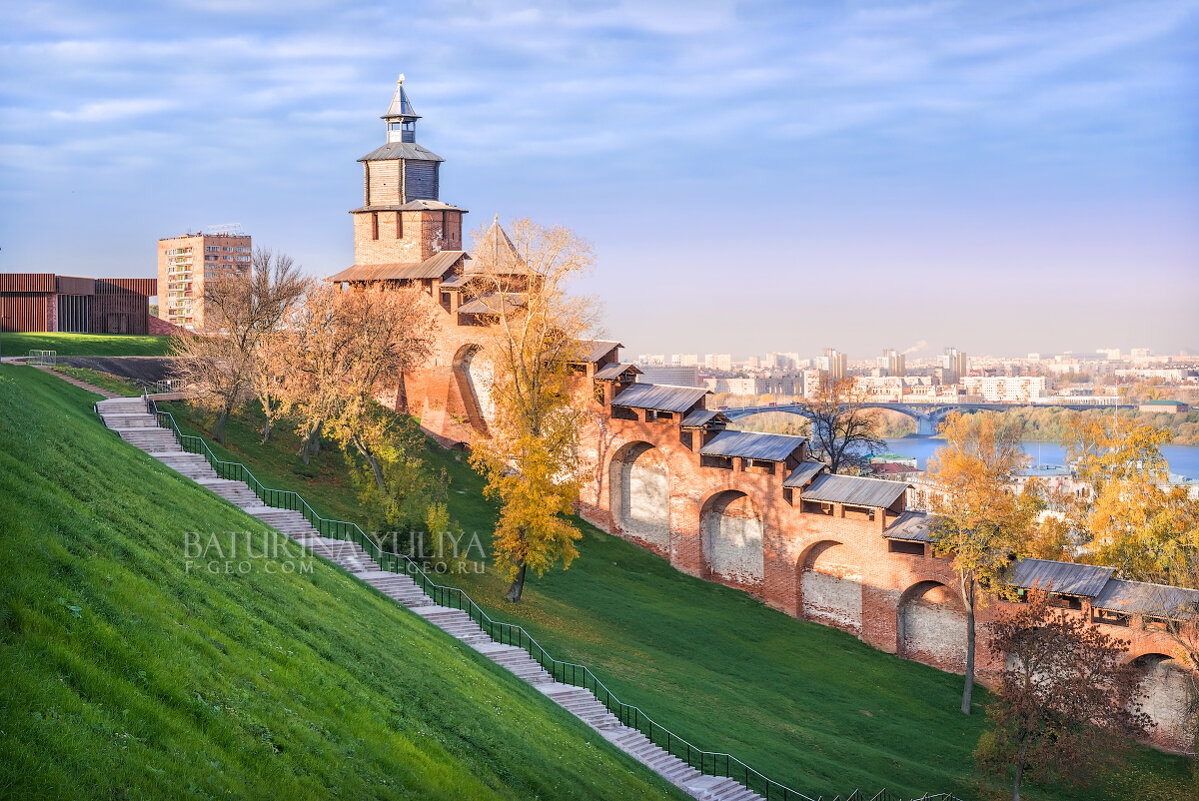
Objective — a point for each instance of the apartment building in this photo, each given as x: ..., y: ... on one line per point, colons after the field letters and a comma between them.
x: 185, y: 262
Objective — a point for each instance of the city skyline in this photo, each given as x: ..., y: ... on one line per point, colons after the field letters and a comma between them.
x: 755, y: 179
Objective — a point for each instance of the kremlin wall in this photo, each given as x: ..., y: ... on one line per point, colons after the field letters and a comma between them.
x: 751, y: 511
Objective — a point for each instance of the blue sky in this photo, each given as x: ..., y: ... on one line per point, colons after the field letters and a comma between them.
x: 1002, y: 177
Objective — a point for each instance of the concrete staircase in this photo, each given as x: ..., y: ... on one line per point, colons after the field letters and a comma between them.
x: 128, y: 417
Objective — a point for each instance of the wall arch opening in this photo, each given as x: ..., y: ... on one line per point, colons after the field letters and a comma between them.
x: 639, y: 483
x: 830, y: 586
x: 475, y: 374
x: 731, y: 529
x: 1167, y: 697
x: 931, y: 626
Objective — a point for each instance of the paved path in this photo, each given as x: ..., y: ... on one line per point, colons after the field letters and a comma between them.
x: 129, y: 418
x: 81, y: 384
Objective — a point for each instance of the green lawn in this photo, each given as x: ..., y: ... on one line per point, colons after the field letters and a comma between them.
x: 127, y: 677
x: 808, y: 705
x: 19, y: 344
x: 105, y: 381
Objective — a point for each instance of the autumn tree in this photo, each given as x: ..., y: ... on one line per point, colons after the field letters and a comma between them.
x: 843, y: 429
x: 1130, y: 517
x: 530, y: 459
x: 980, y: 523
x: 243, y: 312
x: 348, y: 349
x: 1067, y: 703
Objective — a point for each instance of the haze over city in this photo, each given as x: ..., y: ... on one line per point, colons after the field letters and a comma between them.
x: 1003, y: 178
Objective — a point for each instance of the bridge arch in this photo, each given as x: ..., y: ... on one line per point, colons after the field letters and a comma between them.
x: 927, y: 420
x: 475, y: 374
x: 1166, y: 697
x: 731, y: 534
x: 829, y: 579
x: 639, y: 483
x: 930, y: 626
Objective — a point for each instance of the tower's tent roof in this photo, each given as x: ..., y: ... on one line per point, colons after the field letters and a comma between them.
x: 495, y: 254
x: 400, y: 106
x: 401, y: 150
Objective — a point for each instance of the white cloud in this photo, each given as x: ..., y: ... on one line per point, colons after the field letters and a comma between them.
x: 110, y: 110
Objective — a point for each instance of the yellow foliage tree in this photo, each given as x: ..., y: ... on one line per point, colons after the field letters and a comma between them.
x: 530, y: 459
x: 981, y: 524
x: 1130, y: 517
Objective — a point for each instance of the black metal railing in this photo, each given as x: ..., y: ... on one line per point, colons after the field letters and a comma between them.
x: 710, y: 763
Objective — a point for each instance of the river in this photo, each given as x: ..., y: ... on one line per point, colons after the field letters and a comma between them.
x: 1183, y: 459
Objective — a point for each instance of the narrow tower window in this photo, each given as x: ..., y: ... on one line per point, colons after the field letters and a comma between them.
x: 374, y: 225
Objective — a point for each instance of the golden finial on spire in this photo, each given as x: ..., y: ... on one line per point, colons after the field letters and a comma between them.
x: 400, y: 82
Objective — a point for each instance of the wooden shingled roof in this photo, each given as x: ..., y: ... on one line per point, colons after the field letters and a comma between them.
x: 660, y: 397
x: 752, y: 445
x: 854, y: 490
x: 1066, y: 578
x: 435, y: 266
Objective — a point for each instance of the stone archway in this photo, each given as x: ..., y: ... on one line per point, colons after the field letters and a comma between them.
x: 639, y: 484
x: 731, y: 530
x: 931, y: 626
x: 474, y: 374
x: 1167, y: 698
x: 830, y: 586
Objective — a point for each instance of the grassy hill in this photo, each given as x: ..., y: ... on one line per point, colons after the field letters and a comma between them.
x: 808, y: 705
x: 128, y: 677
x: 19, y: 344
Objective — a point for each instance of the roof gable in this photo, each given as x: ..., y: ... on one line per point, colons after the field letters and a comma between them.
x: 610, y: 372
x: 911, y: 526
x: 801, y: 475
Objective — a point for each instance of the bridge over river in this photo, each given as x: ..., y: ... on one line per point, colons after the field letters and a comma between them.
x: 928, y: 416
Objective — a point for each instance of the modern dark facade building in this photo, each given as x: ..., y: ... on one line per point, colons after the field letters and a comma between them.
x: 49, y: 302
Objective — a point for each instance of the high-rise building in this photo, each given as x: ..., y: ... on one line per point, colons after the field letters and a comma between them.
x: 781, y: 361
x: 892, y: 363
x: 954, y: 366
x: 834, y: 363
x: 185, y: 262
x: 718, y: 361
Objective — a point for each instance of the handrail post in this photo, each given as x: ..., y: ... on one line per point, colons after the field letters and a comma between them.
x: 498, y: 630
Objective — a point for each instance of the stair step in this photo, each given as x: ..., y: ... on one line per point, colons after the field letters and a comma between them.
x: 136, y: 426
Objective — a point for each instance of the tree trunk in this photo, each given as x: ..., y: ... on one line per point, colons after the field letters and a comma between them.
x: 373, y: 461
x: 377, y: 470
x: 1019, y: 772
x: 218, y: 430
x: 518, y: 585
x: 401, y: 396
x: 267, y: 427
x: 311, y: 445
x: 968, y: 690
